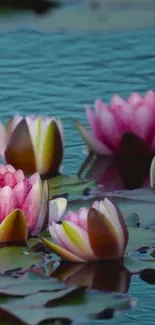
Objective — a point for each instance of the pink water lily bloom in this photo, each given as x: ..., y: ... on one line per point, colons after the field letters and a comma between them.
x: 90, y: 234
x: 23, y: 204
x: 110, y: 123
x: 32, y: 143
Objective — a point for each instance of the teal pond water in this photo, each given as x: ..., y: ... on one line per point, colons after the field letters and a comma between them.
x: 57, y: 74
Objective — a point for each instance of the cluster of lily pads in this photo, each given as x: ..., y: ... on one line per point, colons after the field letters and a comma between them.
x: 32, y: 148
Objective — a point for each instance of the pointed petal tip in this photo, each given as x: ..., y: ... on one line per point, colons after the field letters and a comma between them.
x: 115, y: 211
x: 62, y: 252
x: 14, y: 227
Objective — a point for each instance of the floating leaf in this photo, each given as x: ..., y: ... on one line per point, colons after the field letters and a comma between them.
x: 141, y: 202
x: 28, y: 284
x: 139, y: 237
x: 135, y: 265
x: 73, y: 303
x: 70, y: 185
x: 17, y: 257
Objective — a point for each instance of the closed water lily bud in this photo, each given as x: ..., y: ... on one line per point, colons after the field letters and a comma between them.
x: 23, y: 204
x: 98, y: 233
x: 33, y: 144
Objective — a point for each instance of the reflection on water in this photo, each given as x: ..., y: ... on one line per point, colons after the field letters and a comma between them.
x: 108, y: 276
x: 129, y: 169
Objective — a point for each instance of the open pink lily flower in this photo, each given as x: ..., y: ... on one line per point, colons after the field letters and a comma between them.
x: 33, y: 144
x: 110, y: 123
x: 91, y: 234
x: 23, y: 204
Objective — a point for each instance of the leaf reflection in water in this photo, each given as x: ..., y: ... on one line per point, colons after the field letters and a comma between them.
x: 109, y: 276
x: 128, y: 169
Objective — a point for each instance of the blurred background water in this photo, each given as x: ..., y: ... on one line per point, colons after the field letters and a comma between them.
x: 58, y: 73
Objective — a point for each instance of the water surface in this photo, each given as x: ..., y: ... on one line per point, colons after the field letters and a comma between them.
x: 57, y: 74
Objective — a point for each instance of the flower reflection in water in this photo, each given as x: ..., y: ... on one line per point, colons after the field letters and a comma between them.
x: 128, y: 169
x: 109, y: 276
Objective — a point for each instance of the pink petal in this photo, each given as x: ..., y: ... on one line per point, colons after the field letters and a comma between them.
x: 7, y: 202
x: 31, y: 206
x: 135, y: 100
x: 3, y: 169
x: 91, y: 119
x: 19, y: 175
x: 99, y: 105
x: 2, y: 182
x: 109, y: 133
x: 85, y: 253
x: 83, y: 217
x: 9, y: 179
x: 3, y: 140
x: 93, y: 143
x: 123, y: 113
x: 142, y: 122
x: 116, y: 101
x: 72, y: 217
x: 10, y: 169
x: 149, y: 98
x: 21, y: 191
x: 34, y: 178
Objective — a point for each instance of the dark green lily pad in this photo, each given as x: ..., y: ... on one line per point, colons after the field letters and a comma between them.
x: 18, y: 257
x: 72, y: 304
x: 70, y: 185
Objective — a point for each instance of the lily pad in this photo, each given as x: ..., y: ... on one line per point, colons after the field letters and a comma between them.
x: 18, y: 257
x: 28, y: 284
x: 70, y: 185
x: 72, y: 304
x: 139, y: 237
x: 141, y: 202
x: 135, y: 265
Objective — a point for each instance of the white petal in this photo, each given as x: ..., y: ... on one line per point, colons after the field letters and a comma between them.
x: 57, y: 208
x: 3, y: 140
x: 152, y: 173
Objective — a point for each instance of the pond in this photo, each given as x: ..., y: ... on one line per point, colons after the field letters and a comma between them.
x: 59, y: 73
